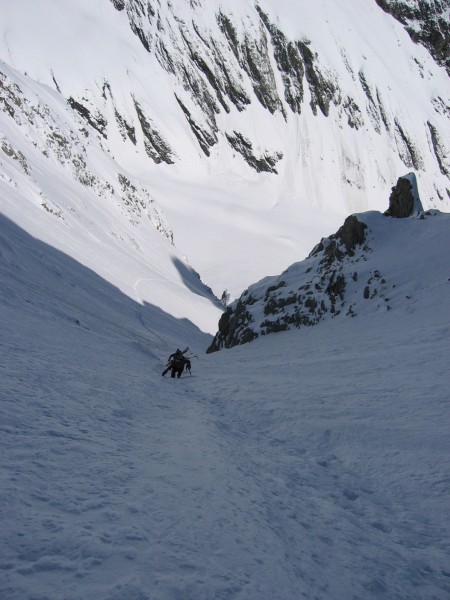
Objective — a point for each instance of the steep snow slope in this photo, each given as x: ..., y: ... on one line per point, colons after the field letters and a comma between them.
x: 59, y: 182
x: 254, y: 128
x: 308, y: 464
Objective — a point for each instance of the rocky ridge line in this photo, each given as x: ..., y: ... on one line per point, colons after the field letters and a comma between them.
x: 334, y: 280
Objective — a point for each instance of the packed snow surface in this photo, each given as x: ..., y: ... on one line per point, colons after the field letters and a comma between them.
x: 307, y: 464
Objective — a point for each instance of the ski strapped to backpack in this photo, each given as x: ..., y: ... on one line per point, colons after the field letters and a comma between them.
x: 178, y: 361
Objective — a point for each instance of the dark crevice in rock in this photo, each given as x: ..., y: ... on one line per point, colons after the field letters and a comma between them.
x: 125, y: 128
x: 253, y: 57
x: 227, y: 28
x: 372, y: 106
x: 242, y: 145
x: 441, y: 107
x: 353, y: 112
x: 199, y: 92
x: 439, y: 150
x: 157, y: 149
x: 206, y: 139
x: 97, y: 121
x: 383, y: 112
x: 407, y: 151
x: 257, y: 65
x: 164, y: 58
x: 204, y: 68
x: 402, y: 202
x: 322, y: 91
x: 58, y: 89
x: 427, y: 23
x: 231, y: 87
x: 289, y: 62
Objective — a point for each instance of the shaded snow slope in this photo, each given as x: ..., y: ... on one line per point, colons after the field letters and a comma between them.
x: 246, y: 131
x: 313, y: 463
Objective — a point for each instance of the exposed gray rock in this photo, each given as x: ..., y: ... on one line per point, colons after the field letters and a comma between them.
x: 118, y: 4
x: 352, y: 233
x: 353, y: 112
x: 440, y: 152
x: 406, y: 148
x: 426, y: 22
x: 97, y: 121
x: 343, y: 242
x: 321, y: 293
x: 205, y: 138
x: 233, y: 329
x: 17, y: 155
x: 59, y: 141
x: 266, y: 162
x: 155, y: 146
x: 253, y: 56
x: 289, y: 62
x: 126, y: 130
x: 404, y: 200
x: 322, y: 89
x: 372, y: 104
x: 215, y: 79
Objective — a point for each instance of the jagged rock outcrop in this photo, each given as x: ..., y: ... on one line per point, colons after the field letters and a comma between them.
x: 404, y: 200
x: 289, y: 62
x: 252, y: 54
x: 440, y: 151
x: 206, y: 138
x: 343, y: 276
x: 265, y: 162
x: 97, y: 121
x: 426, y: 22
x: 302, y: 296
x: 226, y: 92
x: 156, y: 147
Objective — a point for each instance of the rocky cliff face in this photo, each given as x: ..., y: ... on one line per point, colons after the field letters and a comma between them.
x: 302, y: 296
x: 427, y: 23
x: 233, y: 62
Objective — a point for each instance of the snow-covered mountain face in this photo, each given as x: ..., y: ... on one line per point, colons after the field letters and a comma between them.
x: 141, y: 138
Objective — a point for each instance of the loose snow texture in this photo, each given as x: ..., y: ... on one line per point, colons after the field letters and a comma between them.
x: 308, y: 464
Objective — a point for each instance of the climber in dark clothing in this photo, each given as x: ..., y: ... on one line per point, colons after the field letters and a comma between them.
x: 176, y: 363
